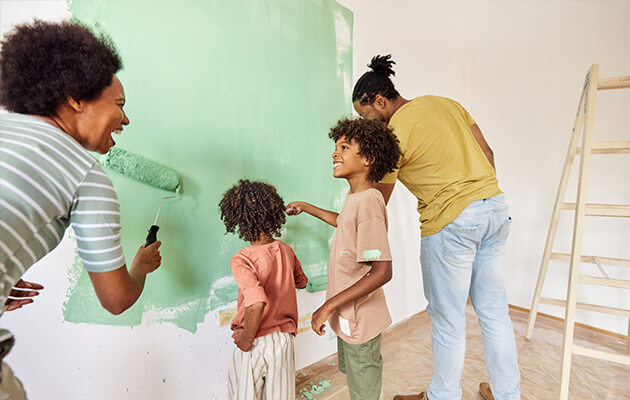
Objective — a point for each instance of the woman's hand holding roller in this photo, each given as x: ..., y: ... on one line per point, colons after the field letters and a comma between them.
x: 147, y: 259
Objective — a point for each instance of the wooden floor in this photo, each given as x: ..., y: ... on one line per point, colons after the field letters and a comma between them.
x: 407, y: 355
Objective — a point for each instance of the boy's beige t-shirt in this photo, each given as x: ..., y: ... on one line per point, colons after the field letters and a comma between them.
x: 361, y: 237
x: 442, y: 164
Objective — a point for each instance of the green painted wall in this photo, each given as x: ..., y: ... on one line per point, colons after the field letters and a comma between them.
x: 220, y: 90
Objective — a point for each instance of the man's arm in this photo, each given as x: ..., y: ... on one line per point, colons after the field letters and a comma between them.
x: 380, y: 274
x: 244, y: 338
x: 296, y: 207
x: 483, y: 144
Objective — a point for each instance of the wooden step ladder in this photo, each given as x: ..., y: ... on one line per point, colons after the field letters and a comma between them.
x: 583, y: 126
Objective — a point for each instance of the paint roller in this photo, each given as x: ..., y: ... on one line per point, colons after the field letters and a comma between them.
x: 146, y: 171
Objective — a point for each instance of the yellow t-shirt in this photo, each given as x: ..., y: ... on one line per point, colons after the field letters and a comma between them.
x: 442, y: 164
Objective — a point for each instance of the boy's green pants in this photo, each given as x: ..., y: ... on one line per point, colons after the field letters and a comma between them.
x: 363, y: 366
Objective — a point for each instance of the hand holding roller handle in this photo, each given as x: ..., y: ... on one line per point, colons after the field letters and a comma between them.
x: 147, y: 259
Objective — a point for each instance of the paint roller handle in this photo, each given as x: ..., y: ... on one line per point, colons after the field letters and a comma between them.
x: 152, y: 236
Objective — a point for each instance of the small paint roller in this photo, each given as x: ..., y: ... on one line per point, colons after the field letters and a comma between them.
x: 146, y: 171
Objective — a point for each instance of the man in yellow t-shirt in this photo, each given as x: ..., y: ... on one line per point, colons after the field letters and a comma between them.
x: 447, y: 164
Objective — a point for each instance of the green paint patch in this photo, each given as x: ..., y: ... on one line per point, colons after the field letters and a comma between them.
x: 372, y: 254
x: 227, y: 90
x: 313, y: 388
x: 317, y: 283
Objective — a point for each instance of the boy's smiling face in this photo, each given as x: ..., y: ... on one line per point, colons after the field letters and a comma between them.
x: 347, y: 162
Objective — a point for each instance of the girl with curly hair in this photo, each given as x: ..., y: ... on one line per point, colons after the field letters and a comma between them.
x: 267, y: 273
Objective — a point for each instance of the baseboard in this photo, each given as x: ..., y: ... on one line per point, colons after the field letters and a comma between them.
x: 580, y: 324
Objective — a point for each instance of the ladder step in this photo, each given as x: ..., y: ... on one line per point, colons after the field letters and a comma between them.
x: 602, y: 210
x: 617, y: 82
x: 587, y: 307
x: 616, y: 283
x: 619, y: 262
x: 611, y: 147
x: 602, y: 355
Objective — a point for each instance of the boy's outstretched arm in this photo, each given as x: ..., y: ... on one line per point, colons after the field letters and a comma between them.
x: 296, y: 207
x: 380, y: 274
x: 244, y: 338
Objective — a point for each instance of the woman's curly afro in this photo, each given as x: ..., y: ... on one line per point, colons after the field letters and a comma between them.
x: 253, y: 207
x: 44, y: 63
x: 376, y: 142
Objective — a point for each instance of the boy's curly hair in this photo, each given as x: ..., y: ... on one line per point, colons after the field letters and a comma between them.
x: 44, y: 63
x: 376, y: 142
x: 253, y: 207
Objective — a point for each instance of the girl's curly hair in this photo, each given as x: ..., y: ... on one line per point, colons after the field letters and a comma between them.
x: 253, y: 207
x: 376, y: 141
x: 44, y: 63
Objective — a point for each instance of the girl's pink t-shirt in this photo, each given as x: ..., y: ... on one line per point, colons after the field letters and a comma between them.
x: 268, y: 273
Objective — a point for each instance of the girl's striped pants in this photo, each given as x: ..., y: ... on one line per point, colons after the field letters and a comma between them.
x: 266, y: 372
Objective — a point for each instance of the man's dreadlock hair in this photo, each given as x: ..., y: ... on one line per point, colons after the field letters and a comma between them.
x: 253, y: 208
x: 376, y: 81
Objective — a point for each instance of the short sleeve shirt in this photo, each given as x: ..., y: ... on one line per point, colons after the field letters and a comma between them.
x: 442, y: 164
x: 361, y: 237
x: 268, y: 273
x: 48, y: 181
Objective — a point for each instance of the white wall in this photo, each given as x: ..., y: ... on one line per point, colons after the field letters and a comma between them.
x: 518, y: 66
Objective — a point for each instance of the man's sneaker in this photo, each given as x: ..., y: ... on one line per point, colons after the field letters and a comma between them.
x: 421, y: 396
x: 486, y: 393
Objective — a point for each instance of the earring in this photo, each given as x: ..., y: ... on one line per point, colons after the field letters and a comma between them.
x: 80, y: 109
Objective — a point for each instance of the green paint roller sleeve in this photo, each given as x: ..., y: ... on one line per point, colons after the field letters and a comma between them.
x: 146, y: 171
x: 142, y: 169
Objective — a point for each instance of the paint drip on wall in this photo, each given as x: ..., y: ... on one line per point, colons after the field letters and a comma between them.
x: 219, y: 90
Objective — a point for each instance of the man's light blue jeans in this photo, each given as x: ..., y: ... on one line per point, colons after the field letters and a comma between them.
x: 466, y: 259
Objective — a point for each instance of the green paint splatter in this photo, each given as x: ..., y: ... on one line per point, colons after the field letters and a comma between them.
x: 313, y: 388
x: 369, y: 254
x: 251, y: 89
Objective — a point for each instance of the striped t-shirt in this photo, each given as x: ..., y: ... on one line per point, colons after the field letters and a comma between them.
x: 48, y: 181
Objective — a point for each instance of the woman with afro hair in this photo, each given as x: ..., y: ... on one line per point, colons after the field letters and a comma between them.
x: 58, y: 82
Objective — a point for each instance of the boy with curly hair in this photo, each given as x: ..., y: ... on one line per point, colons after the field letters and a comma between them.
x: 267, y: 273
x: 360, y: 259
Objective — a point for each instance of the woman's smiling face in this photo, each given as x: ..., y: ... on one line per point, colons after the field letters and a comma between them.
x: 102, y: 117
